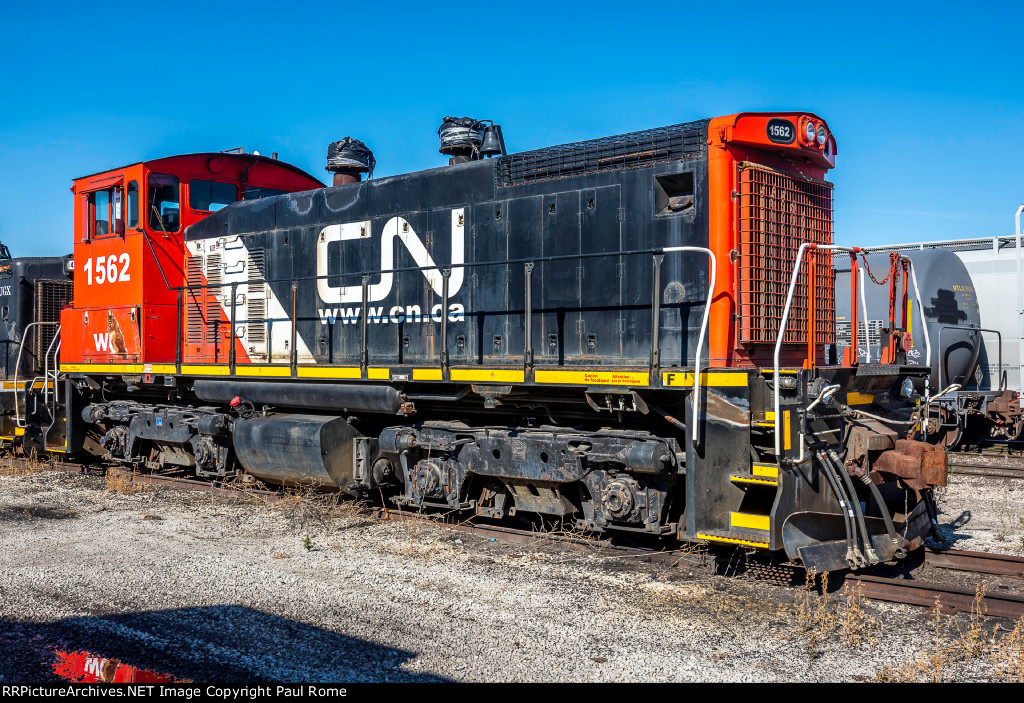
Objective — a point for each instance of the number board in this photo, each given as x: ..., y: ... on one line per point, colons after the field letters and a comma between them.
x: 781, y: 131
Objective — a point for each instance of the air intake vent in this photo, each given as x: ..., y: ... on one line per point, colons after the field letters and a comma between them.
x: 652, y: 146
x: 51, y: 298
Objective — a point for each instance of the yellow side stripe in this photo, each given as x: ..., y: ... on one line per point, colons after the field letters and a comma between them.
x: 604, y: 378
x: 378, y: 374
x: 329, y: 372
x: 707, y: 378
x: 19, y: 386
x: 193, y: 370
x: 489, y: 375
x: 102, y: 368
x: 426, y: 374
x: 278, y: 371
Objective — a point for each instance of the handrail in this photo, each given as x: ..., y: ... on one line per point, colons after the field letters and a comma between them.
x: 782, y: 328
x: 785, y: 319
x: 703, y: 330
x: 864, y: 311
x: 528, y: 263
x: 21, y: 350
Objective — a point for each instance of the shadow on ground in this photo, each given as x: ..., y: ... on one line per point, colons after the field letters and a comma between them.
x: 207, y: 644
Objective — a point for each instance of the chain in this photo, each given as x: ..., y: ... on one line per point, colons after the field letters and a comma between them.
x: 893, y: 269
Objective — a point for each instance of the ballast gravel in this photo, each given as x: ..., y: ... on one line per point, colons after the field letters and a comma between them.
x: 208, y: 588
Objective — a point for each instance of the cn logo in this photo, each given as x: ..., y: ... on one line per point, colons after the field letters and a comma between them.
x: 102, y: 342
x: 396, y: 227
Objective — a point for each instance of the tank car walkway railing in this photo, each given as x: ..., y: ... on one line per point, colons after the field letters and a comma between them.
x: 657, y: 256
x: 853, y: 251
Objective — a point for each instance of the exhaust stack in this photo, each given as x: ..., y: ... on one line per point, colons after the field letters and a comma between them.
x: 348, y: 159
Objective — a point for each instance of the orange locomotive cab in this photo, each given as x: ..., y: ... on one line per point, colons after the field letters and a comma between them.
x: 130, y: 252
x: 767, y: 196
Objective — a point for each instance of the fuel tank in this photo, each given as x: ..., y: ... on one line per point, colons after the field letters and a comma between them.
x: 951, y: 314
x: 324, y: 451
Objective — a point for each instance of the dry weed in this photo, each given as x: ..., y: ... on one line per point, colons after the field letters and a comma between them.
x: 818, y: 618
x: 17, y: 466
x: 1008, y: 654
x: 119, y: 481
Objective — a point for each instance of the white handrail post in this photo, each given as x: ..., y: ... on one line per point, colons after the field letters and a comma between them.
x: 703, y: 331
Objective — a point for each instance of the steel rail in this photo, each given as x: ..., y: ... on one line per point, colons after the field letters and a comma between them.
x: 976, y: 562
x: 948, y: 598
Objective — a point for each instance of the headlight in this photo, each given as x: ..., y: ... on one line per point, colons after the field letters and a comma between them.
x: 907, y: 391
x: 809, y: 129
x: 822, y: 135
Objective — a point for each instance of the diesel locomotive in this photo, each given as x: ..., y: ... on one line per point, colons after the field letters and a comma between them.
x: 624, y: 334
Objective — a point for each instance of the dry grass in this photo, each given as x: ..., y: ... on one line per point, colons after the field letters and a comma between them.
x: 819, y: 618
x: 119, y: 481
x: 952, y: 644
x: 11, y: 465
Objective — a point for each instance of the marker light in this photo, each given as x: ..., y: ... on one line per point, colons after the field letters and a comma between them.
x: 822, y: 135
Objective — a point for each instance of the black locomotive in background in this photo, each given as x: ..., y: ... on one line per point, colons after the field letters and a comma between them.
x: 33, y: 291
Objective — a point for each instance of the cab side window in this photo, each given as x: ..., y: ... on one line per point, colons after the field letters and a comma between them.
x: 99, y: 209
x: 106, y: 214
x: 163, y: 204
x: 132, y: 206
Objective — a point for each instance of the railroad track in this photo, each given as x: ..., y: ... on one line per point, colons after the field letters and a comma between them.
x: 907, y: 591
x: 1002, y: 462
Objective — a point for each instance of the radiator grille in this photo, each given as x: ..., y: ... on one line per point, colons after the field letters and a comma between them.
x: 214, y: 276
x: 778, y: 213
x: 631, y: 150
x: 51, y: 298
x: 257, y: 297
x: 195, y: 300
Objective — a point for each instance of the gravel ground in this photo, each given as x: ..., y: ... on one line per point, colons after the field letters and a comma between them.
x: 213, y: 589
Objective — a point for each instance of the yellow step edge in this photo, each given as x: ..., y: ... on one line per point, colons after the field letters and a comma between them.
x: 730, y: 540
x: 749, y: 521
x: 19, y: 431
x: 766, y: 470
x: 751, y: 479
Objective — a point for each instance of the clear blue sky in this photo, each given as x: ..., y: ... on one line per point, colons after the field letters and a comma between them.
x: 925, y: 99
